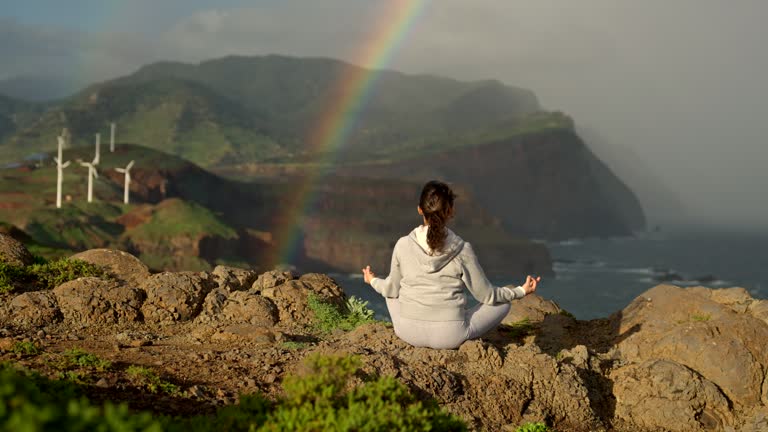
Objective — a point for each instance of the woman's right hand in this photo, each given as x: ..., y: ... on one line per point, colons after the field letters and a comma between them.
x: 368, y: 275
x: 531, y: 283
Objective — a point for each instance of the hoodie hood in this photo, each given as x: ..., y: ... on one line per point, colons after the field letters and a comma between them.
x: 432, y: 262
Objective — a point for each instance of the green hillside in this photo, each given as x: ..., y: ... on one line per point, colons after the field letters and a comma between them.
x: 238, y: 109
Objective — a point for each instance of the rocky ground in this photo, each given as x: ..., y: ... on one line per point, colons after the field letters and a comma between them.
x: 674, y: 359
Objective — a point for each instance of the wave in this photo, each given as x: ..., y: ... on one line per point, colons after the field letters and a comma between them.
x: 638, y: 270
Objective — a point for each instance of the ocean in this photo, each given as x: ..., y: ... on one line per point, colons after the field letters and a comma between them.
x: 596, y: 277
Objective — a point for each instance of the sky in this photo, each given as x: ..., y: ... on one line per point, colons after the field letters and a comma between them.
x: 679, y: 87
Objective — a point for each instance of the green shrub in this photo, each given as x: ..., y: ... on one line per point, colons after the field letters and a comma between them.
x: 34, y: 403
x: 320, y: 400
x: 533, y: 427
x: 25, y: 348
x: 329, y: 317
x: 54, y: 273
x: 12, y: 276
x: 77, y: 358
x: 147, y: 378
x: 45, y: 275
x: 293, y: 345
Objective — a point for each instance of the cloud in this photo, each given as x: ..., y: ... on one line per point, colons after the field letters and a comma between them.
x: 680, y: 83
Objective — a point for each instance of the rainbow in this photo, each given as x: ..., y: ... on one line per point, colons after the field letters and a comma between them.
x: 348, y: 97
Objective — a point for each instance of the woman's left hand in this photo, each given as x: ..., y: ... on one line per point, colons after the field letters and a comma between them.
x: 368, y: 275
x: 531, y: 284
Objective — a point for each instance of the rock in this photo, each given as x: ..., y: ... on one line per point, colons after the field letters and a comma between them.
x: 237, y: 307
x: 91, y: 300
x: 291, y: 297
x: 123, y: 266
x: 233, y: 279
x: 477, y: 351
x: 664, y: 395
x: 13, y: 252
x: 244, y: 333
x: 271, y: 279
x: 684, y: 326
x: 175, y: 297
x: 531, y: 307
x: 759, y: 310
x: 34, y: 309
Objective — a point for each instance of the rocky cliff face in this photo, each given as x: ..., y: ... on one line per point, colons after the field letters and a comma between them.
x: 357, y: 222
x: 674, y: 359
x: 541, y: 185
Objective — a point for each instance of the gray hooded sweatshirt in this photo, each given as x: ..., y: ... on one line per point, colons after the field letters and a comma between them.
x: 430, y: 286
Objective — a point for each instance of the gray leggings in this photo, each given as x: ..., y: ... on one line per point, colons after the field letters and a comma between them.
x: 446, y: 334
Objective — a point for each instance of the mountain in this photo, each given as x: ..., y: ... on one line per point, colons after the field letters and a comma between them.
x: 263, y: 108
x: 250, y: 117
x: 663, y: 205
x: 183, y: 217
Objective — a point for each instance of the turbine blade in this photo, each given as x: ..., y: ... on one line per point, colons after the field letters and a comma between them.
x: 130, y: 165
x: 120, y: 170
x: 65, y: 164
x: 95, y: 173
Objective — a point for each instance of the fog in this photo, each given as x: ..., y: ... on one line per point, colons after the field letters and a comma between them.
x: 675, y: 92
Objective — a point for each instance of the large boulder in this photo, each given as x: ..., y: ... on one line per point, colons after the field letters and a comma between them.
x: 34, y: 309
x: 175, y: 297
x: 91, y: 300
x: 702, y: 330
x: 291, y: 297
x: 532, y: 308
x: 13, y: 252
x: 664, y: 395
x: 221, y: 306
x: 123, y: 266
x: 233, y: 278
x: 271, y: 279
x: 491, y: 388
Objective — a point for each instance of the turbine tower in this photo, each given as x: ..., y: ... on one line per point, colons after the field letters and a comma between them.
x: 98, y: 150
x: 112, y: 137
x: 60, y: 168
x: 92, y: 173
x: 127, y: 171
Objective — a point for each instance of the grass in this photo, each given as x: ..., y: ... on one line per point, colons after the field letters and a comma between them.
x: 78, y: 358
x: 26, y: 348
x: 519, y: 329
x: 175, y: 217
x: 534, y: 427
x: 45, y: 274
x: 329, y: 317
x: 293, y: 345
x: 147, y: 378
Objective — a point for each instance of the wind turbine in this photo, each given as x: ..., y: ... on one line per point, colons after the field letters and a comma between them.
x: 60, y: 168
x: 127, y: 171
x: 92, y: 173
x: 112, y: 137
x: 98, y: 148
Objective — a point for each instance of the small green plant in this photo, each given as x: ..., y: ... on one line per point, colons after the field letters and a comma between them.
x: 147, y: 378
x: 533, y: 427
x: 51, y: 274
x: 701, y: 317
x: 77, y: 358
x: 294, y: 345
x: 76, y: 377
x: 564, y: 312
x: 519, y: 329
x: 45, y: 274
x: 26, y: 348
x: 329, y: 317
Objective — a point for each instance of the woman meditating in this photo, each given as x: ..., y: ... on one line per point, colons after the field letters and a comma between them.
x: 431, y: 266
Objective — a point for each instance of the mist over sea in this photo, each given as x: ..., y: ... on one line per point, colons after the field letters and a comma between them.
x: 596, y: 277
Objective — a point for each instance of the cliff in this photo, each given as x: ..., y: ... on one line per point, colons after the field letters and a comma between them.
x: 540, y: 185
x: 674, y: 359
